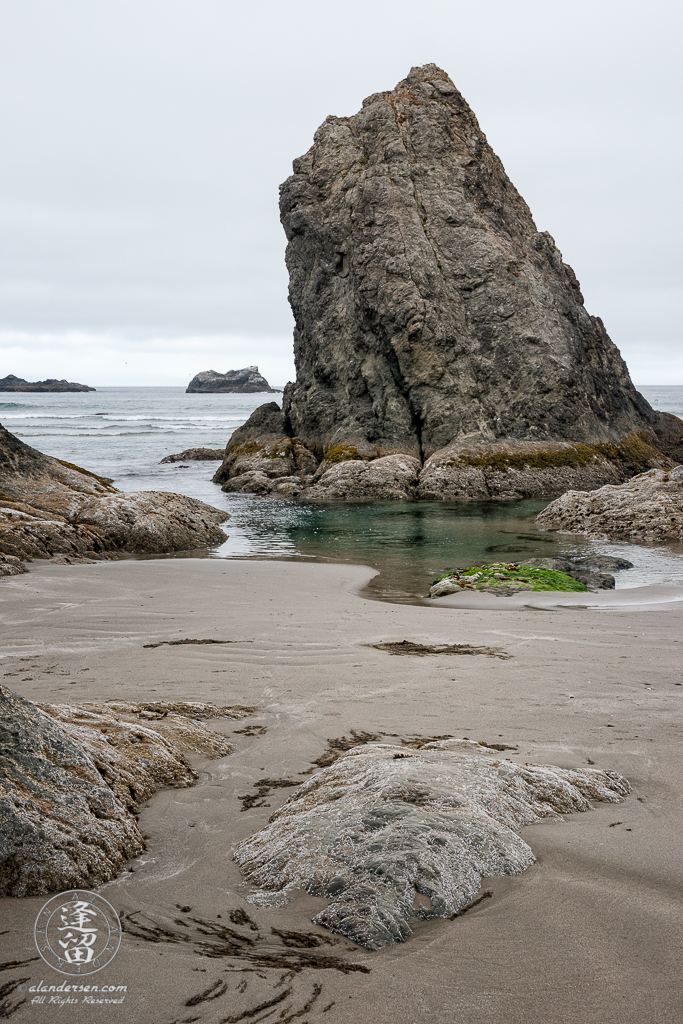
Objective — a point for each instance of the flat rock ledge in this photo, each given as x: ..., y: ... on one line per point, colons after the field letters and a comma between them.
x: 392, y: 835
x: 196, y: 455
x: 49, y: 507
x: 649, y: 507
x: 261, y: 458
x: 72, y: 777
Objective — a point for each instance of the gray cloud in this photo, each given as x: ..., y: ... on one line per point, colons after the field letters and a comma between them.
x: 145, y: 141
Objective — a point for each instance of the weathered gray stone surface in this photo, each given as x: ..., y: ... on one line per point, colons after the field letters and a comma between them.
x: 72, y: 777
x: 48, y: 507
x: 392, y: 477
x: 234, y: 382
x: 649, y: 507
x: 384, y: 824
x: 428, y: 306
x: 433, y: 319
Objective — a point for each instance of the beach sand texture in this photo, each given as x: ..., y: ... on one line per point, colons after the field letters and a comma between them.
x: 592, y: 933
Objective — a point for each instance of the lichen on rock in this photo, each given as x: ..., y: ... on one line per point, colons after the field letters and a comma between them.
x: 384, y: 824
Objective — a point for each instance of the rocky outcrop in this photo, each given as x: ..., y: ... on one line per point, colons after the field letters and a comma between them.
x: 586, y: 572
x: 392, y: 835
x: 49, y: 507
x: 392, y: 477
x: 12, y: 383
x: 649, y: 507
x: 196, y: 455
x: 234, y: 382
x: 434, y: 320
x: 72, y: 778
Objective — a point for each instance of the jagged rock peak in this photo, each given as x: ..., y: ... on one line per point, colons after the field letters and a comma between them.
x: 428, y: 307
x: 245, y: 381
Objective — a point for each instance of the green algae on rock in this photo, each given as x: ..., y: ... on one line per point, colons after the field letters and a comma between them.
x: 504, y: 578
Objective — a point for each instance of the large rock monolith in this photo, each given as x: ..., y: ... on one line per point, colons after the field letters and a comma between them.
x: 434, y: 320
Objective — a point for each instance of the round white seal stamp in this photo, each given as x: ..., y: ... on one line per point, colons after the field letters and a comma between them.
x: 77, y: 932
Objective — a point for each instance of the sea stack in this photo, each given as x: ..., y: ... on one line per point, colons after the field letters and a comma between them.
x: 434, y: 321
x: 246, y: 381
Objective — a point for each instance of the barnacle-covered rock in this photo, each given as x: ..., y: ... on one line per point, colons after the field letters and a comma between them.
x: 384, y: 824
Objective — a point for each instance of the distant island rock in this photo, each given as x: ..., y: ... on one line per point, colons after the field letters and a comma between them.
x: 235, y: 382
x: 442, y: 346
x: 12, y: 383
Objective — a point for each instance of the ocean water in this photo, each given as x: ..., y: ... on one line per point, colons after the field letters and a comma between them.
x: 123, y: 433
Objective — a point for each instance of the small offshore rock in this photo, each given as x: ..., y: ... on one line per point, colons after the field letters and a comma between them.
x: 649, y: 507
x: 234, y: 382
x: 385, y: 823
x: 196, y: 455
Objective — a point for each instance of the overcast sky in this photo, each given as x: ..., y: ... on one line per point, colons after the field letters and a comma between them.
x: 144, y: 141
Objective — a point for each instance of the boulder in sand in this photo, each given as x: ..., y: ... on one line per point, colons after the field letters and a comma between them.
x: 392, y: 835
x: 73, y: 776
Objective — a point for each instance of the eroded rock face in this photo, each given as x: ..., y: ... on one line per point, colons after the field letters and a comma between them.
x: 649, y: 507
x: 271, y: 455
x: 383, y: 824
x: 49, y: 507
x: 392, y: 477
x: 429, y: 309
x: 234, y: 382
x: 74, y: 775
x: 532, y: 469
x: 433, y: 319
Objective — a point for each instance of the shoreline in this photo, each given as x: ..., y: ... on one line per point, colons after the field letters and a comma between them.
x: 592, y: 932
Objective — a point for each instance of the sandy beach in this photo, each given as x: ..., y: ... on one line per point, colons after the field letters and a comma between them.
x: 592, y: 933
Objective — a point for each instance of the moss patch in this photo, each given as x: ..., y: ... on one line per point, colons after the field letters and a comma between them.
x: 86, y: 472
x: 633, y: 449
x: 501, y: 573
x: 346, y: 453
x: 281, y: 449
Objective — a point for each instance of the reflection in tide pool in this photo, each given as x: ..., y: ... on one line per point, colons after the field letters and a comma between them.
x: 411, y: 543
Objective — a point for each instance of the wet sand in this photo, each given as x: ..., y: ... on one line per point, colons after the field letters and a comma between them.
x: 591, y: 934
